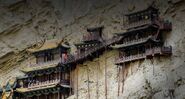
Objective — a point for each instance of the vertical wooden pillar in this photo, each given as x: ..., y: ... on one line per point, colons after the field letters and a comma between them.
x: 88, y: 82
x: 105, y: 77
x: 124, y: 75
x: 56, y: 76
x: 47, y: 78
x: 62, y: 96
x: 58, y: 95
x: 77, y: 82
x: 118, y: 80
x: 72, y: 82
x: 53, y: 96
x: 70, y: 78
x: 97, y: 77
x: 59, y: 75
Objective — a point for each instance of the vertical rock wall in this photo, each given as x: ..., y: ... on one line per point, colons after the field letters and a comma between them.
x: 25, y: 22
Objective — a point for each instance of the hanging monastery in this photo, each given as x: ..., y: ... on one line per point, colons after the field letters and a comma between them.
x: 54, y: 73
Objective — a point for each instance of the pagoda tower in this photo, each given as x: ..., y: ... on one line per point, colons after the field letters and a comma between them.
x: 143, y: 37
x: 46, y: 77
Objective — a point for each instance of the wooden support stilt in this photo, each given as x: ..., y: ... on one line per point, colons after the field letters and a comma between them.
x: 70, y: 73
x: 118, y: 80
x: 58, y: 95
x: 123, y: 76
x: 88, y: 82
x: 73, y: 78
x: 130, y: 65
x: 77, y: 82
x: 59, y: 74
x: 105, y: 77
x: 152, y: 61
x: 97, y: 78
x: 61, y: 96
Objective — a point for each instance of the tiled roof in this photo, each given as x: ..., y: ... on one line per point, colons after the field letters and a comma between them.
x: 41, y: 66
x: 141, y: 10
x: 136, y: 29
x: 150, y: 38
x: 22, y: 90
x: 49, y: 44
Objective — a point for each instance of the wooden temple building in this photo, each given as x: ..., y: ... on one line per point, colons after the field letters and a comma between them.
x: 50, y: 74
x: 47, y: 78
x: 143, y: 37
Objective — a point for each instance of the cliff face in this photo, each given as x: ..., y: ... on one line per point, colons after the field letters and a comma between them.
x: 26, y: 22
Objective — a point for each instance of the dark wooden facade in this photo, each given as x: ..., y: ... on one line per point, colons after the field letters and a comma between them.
x: 51, y: 55
x: 94, y: 34
x: 146, y: 17
x: 143, y: 37
x: 47, y: 78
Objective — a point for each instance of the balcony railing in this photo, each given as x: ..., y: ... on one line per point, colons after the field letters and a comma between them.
x: 136, y: 41
x: 44, y: 84
x: 76, y: 57
x: 163, y: 24
x: 65, y: 82
x: 159, y: 50
x: 90, y: 37
x: 149, y: 52
x: 48, y: 63
x: 138, y: 23
x: 129, y: 58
